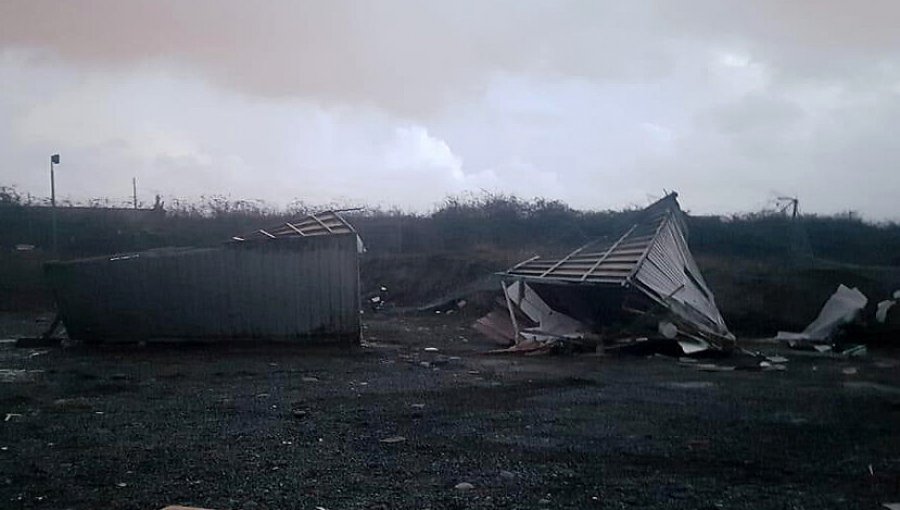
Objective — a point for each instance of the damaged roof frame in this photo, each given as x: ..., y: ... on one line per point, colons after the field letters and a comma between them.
x: 651, y: 257
x: 314, y: 224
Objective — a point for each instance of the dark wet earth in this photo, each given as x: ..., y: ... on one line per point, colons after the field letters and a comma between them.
x: 393, y: 426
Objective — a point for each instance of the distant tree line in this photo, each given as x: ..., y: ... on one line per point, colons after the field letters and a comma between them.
x: 460, y: 223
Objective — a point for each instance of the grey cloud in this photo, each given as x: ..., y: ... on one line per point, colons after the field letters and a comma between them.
x: 597, y: 103
x: 402, y: 55
x: 753, y: 112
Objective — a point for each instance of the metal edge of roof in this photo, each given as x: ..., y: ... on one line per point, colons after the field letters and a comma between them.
x: 667, y: 207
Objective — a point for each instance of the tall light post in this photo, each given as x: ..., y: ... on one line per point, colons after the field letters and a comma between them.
x: 54, y: 160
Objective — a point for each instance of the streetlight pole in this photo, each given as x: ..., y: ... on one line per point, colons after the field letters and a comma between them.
x: 54, y: 159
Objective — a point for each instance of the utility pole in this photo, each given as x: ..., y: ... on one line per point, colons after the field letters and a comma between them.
x: 134, y: 191
x: 54, y: 160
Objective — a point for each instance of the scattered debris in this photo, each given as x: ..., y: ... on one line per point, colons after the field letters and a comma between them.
x: 688, y: 385
x: 17, y: 375
x: 646, y: 280
x: 776, y: 359
x: 771, y: 367
x: 379, y: 300
x: 668, y: 330
x: 497, y: 326
x: 842, y: 308
x: 712, y: 367
x: 882, y: 309
x: 855, y: 351
x: 887, y: 312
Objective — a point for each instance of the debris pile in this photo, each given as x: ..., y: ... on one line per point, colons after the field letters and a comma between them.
x: 644, y: 285
x: 844, y: 316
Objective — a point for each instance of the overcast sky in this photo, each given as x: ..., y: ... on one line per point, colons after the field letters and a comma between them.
x: 600, y: 104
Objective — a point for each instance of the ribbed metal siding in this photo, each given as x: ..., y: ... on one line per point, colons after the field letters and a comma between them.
x: 665, y: 273
x: 279, y: 289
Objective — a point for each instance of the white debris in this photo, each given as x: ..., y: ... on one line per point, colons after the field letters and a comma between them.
x: 769, y: 367
x: 688, y: 385
x: 692, y: 345
x: 882, y: 310
x: 843, y: 307
x: 712, y: 367
x: 667, y: 329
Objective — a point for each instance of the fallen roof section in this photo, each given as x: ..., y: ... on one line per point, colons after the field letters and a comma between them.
x: 651, y: 257
x: 316, y: 224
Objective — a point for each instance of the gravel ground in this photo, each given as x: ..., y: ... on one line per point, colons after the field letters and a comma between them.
x: 393, y: 426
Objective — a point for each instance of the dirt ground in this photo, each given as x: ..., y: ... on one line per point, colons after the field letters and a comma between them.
x: 392, y: 426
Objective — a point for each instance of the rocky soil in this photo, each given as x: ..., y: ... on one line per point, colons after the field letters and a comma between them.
x: 391, y: 425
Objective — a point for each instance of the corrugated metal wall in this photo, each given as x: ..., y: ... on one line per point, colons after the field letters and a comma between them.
x: 671, y: 273
x: 290, y: 288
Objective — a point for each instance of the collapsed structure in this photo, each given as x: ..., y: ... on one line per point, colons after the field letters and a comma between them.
x: 643, y: 281
x: 295, y: 281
